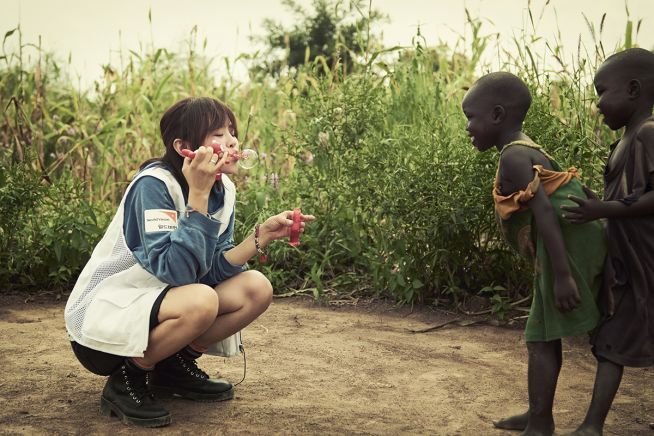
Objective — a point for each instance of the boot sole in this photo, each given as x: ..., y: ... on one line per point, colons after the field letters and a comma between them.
x: 107, y: 408
x: 195, y: 396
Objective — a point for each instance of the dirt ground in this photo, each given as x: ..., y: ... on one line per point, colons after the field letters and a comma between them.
x: 316, y: 369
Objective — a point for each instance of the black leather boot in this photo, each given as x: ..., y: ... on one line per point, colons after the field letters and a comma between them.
x: 180, y: 376
x: 128, y: 396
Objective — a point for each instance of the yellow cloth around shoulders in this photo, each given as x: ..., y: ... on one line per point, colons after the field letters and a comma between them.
x: 517, y: 201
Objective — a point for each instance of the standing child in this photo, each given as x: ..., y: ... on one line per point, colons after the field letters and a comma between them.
x: 625, y: 337
x: 166, y: 282
x: 528, y: 190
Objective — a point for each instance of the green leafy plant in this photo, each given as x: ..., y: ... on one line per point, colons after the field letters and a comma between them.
x: 48, y: 231
x: 376, y: 150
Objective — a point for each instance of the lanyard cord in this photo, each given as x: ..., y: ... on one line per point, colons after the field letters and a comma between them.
x: 245, y: 366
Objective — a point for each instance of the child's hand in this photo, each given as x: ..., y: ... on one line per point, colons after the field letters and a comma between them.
x: 588, y: 210
x: 566, y: 295
x: 279, y: 226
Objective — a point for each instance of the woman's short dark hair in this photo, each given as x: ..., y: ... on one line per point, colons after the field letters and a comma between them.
x: 190, y: 120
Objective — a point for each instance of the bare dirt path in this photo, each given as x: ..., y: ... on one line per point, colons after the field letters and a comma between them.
x: 316, y: 369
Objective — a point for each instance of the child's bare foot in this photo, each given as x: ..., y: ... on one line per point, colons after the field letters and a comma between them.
x: 529, y: 432
x: 585, y: 430
x: 516, y: 422
x: 539, y: 426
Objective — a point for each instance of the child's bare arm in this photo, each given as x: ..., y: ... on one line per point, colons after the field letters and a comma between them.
x: 518, y: 168
x: 593, y: 208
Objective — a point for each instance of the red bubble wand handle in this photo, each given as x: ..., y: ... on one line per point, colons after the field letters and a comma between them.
x: 295, y: 227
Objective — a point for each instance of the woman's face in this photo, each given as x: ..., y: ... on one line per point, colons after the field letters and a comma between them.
x: 224, y: 137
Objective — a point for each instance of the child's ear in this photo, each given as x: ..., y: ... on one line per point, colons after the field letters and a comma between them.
x: 499, y: 114
x: 634, y: 89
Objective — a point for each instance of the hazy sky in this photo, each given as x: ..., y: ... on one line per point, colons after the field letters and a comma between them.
x: 94, y: 32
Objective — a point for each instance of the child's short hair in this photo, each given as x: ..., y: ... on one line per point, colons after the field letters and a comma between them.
x: 638, y: 63
x: 507, y: 90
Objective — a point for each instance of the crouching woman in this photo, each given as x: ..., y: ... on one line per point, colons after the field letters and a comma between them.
x: 167, y: 283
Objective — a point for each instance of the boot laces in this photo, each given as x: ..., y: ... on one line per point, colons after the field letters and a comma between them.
x: 191, y: 367
x: 138, y: 389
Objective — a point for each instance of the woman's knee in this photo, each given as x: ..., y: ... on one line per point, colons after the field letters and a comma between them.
x: 201, y: 306
x: 259, y: 288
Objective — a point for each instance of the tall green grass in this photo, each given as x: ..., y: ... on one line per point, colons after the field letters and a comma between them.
x: 379, y: 155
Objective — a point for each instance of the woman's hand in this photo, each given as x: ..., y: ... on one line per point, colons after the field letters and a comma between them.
x: 200, y: 174
x: 279, y: 226
x: 276, y: 227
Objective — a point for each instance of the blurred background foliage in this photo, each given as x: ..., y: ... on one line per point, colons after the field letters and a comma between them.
x: 370, y: 139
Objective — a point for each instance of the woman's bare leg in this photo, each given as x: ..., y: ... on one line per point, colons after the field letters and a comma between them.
x: 242, y: 299
x: 186, y: 312
x: 193, y: 313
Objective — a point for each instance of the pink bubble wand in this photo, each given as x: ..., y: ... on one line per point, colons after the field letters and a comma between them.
x: 246, y: 158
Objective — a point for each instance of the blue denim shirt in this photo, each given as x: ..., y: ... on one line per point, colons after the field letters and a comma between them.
x: 192, y: 253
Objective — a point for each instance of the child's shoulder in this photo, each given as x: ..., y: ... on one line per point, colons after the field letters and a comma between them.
x: 645, y: 132
x: 516, y: 166
x: 521, y: 154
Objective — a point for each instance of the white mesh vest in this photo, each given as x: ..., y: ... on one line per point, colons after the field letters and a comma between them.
x: 109, y: 307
